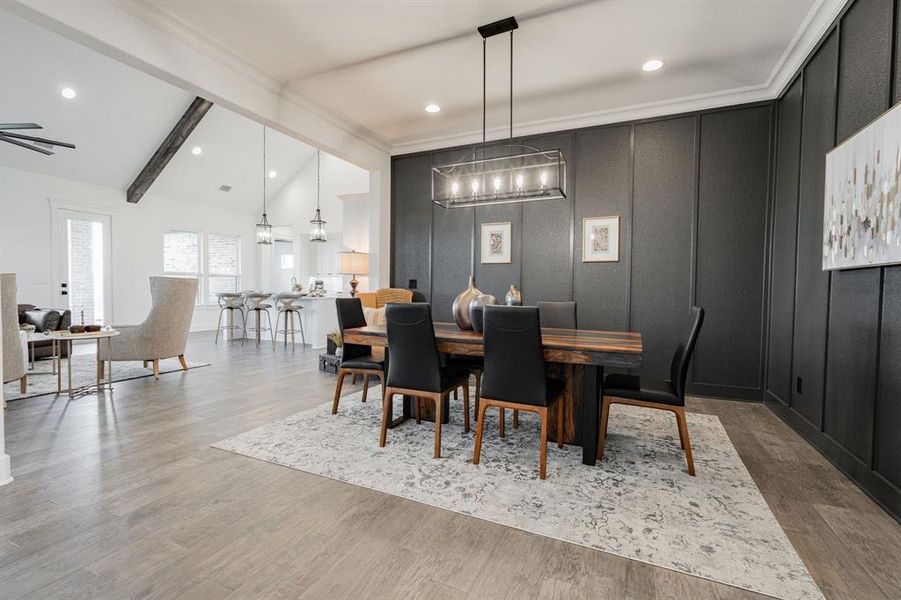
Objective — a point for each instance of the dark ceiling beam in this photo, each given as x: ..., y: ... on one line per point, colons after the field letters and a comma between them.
x: 168, y: 148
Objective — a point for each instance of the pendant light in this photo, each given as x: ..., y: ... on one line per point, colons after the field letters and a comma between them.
x: 317, y: 231
x: 523, y: 174
x: 264, y: 229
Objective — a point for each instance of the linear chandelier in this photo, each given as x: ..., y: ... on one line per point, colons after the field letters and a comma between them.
x: 523, y: 174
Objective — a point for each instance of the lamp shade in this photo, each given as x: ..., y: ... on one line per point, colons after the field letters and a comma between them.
x: 355, y: 263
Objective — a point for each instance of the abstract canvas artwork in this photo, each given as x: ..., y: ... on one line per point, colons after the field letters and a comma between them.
x: 862, y: 212
x: 496, y: 242
x: 600, y: 239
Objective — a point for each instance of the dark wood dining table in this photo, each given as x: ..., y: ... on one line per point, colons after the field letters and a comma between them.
x: 578, y: 356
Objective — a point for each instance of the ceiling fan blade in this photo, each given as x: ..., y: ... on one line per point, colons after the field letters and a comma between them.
x: 38, y: 139
x: 20, y: 126
x: 9, y: 140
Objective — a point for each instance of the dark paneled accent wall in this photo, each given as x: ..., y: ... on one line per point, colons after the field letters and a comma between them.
x: 835, y: 379
x: 691, y: 194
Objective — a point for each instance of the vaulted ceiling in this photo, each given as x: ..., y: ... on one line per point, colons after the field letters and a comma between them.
x: 120, y: 116
x: 377, y: 65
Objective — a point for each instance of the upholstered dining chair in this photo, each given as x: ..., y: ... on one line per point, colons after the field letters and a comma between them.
x: 657, y: 393
x: 414, y: 368
x: 516, y: 375
x: 558, y: 314
x: 356, y: 359
x: 164, y: 333
x: 561, y: 315
x: 14, y: 363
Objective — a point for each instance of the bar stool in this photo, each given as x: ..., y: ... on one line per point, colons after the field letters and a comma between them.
x: 231, y: 302
x: 255, y: 303
x: 288, y: 306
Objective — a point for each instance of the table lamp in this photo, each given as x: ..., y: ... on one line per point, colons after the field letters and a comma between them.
x: 354, y: 263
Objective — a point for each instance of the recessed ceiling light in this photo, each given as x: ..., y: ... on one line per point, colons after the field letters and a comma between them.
x: 68, y: 93
x: 272, y: 174
x: 652, y: 65
x: 432, y: 108
x: 196, y: 150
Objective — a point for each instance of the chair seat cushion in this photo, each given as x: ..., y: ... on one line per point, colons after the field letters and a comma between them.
x: 363, y: 362
x: 453, y: 377
x: 641, y: 388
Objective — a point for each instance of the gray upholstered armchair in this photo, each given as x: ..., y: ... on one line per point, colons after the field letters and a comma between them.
x: 14, y: 365
x: 164, y: 333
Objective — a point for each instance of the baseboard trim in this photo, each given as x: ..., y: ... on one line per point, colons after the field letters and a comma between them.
x: 873, y: 484
x: 714, y: 390
x: 5, y: 469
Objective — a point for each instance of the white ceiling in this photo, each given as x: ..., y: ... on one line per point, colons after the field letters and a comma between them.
x: 232, y: 155
x: 377, y: 64
x: 112, y: 120
x: 120, y: 116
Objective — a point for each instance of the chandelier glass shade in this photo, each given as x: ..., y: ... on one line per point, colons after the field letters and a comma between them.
x: 317, y: 225
x: 264, y: 229
x: 525, y: 175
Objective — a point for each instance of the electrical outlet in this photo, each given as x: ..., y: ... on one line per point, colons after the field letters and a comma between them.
x: 799, y: 385
x: 411, y: 284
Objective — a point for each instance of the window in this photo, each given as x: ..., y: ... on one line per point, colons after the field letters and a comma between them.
x: 223, y: 264
x: 181, y: 253
x: 217, y: 266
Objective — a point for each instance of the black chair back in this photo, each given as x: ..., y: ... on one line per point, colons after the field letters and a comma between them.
x: 682, y: 357
x: 558, y: 314
x: 414, y: 364
x: 350, y: 315
x: 515, y: 370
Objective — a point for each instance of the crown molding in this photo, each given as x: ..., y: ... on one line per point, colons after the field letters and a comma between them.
x: 816, y: 23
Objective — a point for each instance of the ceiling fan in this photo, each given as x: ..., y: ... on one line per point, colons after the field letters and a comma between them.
x: 38, y: 144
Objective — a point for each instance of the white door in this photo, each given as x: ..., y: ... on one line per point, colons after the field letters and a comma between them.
x: 83, y: 258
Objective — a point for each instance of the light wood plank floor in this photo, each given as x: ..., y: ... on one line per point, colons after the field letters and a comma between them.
x: 124, y: 498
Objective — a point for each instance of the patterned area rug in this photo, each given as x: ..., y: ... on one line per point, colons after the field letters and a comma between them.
x: 41, y: 381
x: 639, y: 502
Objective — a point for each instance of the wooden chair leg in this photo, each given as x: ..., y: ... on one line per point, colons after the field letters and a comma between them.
x: 23, y: 384
x: 456, y: 397
x: 438, y: 403
x: 560, y: 423
x: 145, y: 364
x: 338, y: 385
x: 466, y: 408
x: 683, y: 433
x: 386, y: 404
x: 602, y: 434
x: 365, y: 387
x: 418, y: 409
x: 475, y: 410
x: 353, y: 379
x: 156, y: 368
x: 480, y: 427
x: 515, y: 419
x: 502, y: 422
x: 542, y: 464
x: 184, y: 363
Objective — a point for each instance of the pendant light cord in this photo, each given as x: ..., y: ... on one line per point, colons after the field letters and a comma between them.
x: 264, y: 170
x: 318, y: 179
x: 511, y: 88
x: 484, y: 95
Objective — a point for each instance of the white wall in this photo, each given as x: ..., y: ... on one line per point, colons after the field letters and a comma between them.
x: 137, y: 239
x: 357, y: 208
x: 295, y: 205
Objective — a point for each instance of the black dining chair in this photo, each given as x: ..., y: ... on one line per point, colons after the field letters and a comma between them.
x: 657, y: 393
x: 558, y: 314
x: 356, y: 359
x: 415, y: 367
x: 515, y: 373
x: 561, y: 315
